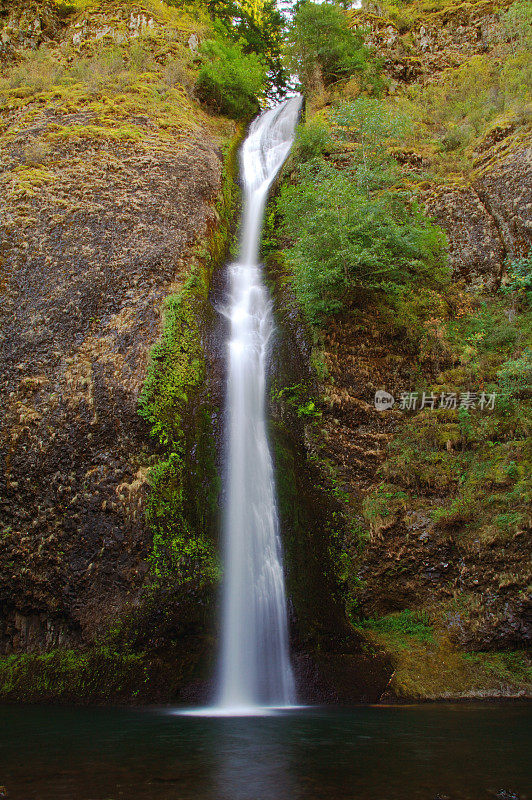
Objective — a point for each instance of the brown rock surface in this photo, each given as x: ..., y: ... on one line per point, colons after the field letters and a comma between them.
x: 95, y: 230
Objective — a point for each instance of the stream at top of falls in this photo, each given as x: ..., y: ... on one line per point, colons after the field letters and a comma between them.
x: 254, y: 666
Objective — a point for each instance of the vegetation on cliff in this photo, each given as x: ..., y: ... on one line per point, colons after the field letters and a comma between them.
x: 431, y: 490
x: 413, y: 144
x: 348, y: 227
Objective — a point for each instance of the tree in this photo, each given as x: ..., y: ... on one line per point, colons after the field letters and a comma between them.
x: 257, y: 26
x: 322, y: 48
x: 229, y: 80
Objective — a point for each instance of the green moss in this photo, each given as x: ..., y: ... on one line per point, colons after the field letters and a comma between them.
x: 427, y: 666
x: 27, y: 179
x: 184, y: 485
x: 403, y: 625
x: 382, y: 506
x: 298, y: 398
x: 70, y: 675
x: 435, y: 13
x: 138, y: 90
x: 511, y: 667
x: 105, y: 673
x: 174, y: 403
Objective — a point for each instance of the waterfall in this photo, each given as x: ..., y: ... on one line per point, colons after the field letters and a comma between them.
x: 255, y: 666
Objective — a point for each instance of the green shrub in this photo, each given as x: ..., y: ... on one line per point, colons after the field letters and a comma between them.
x: 515, y: 375
x: 372, y: 128
x: 342, y: 240
x: 519, y: 285
x: 456, y: 137
x: 313, y: 139
x: 348, y: 227
x: 229, y: 81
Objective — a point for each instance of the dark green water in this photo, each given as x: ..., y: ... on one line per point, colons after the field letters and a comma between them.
x: 368, y: 753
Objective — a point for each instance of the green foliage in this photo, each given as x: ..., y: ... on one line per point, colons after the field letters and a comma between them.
x: 479, y: 460
x: 321, y: 47
x: 181, y: 497
x: 182, y: 502
x: 350, y: 229
x: 381, y: 507
x: 370, y: 123
x: 517, y: 22
x: 342, y: 240
x: 258, y: 28
x: 297, y: 398
x: 370, y: 128
x: 313, y: 139
x: 515, y: 381
x: 403, y: 623
x: 519, y: 284
x: 229, y: 80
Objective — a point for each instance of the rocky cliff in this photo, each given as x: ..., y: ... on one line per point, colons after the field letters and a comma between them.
x: 434, y: 553
x: 112, y: 201
x: 406, y: 530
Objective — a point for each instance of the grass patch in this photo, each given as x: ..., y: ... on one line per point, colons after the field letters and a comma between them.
x: 402, y: 625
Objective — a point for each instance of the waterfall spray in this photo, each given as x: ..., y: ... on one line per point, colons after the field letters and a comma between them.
x: 255, y: 667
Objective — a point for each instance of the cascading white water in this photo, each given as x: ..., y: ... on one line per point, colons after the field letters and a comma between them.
x: 255, y: 666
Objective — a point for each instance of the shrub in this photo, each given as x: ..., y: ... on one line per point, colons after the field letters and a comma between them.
x: 342, y: 239
x: 515, y: 375
x: 519, y: 285
x: 349, y: 227
x: 517, y: 22
x: 312, y: 140
x: 229, y: 81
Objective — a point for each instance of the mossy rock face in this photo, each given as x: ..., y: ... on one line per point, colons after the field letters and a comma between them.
x: 428, y: 667
x: 419, y: 40
x: 328, y: 655
x: 26, y: 25
x: 98, y: 675
x: 114, y: 199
